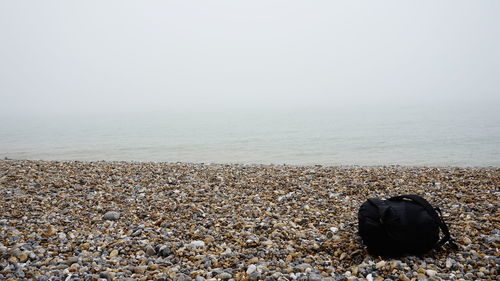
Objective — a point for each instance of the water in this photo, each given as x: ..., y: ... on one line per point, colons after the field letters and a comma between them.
x: 437, y: 136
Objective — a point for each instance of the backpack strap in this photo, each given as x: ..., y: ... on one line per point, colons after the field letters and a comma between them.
x: 450, y: 240
x: 432, y: 212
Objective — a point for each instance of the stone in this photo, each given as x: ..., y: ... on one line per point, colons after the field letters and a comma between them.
x: 140, y: 269
x: 421, y: 277
x: 314, y: 277
x: 113, y: 253
x: 62, y: 236
x: 109, y: 276
x: 198, y: 244
x: 403, y: 277
x: 32, y: 256
x: 182, y: 277
x: 251, y: 269
x: 449, y: 263
x: 23, y: 257
x: 492, y: 239
x: 85, y: 246
x: 253, y: 260
x: 150, y: 251
x: 153, y: 267
x: 380, y: 264
x: 136, y: 233
x: 466, y: 240
x: 224, y: 276
x: 51, y: 230
x: 430, y: 272
x: 164, y: 251
x: 112, y: 216
x: 255, y: 275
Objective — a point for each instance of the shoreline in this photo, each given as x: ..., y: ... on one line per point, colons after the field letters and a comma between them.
x: 187, y: 221
x: 243, y: 164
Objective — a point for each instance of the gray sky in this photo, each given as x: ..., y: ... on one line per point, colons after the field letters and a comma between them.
x: 91, y: 56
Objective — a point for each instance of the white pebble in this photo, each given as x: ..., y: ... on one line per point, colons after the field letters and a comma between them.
x: 380, y: 264
x: 251, y: 269
x: 196, y: 244
x: 430, y: 272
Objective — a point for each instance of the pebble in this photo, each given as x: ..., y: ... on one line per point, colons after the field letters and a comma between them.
x: 449, y: 263
x: 196, y: 244
x: 466, y: 240
x: 224, y: 276
x: 150, y: 251
x: 164, y: 251
x: 380, y: 264
x: 22, y: 257
x: 140, y: 269
x: 314, y: 277
x: 202, y: 222
x: 51, y: 230
x: 113, y: 253
x: 109, y: 276
x: 182, y: 277
x: 251, y: 269
x: 254, y: 275
x: 112, y: 216
x: 430, y: 272
x: 492, y: 239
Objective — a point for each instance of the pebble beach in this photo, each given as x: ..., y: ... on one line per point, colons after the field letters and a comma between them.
x: 177, y: 221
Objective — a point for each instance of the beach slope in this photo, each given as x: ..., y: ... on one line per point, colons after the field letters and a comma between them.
x: 159, y: 221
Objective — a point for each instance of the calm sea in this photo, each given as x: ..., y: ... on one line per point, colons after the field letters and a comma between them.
x: 437, y: 136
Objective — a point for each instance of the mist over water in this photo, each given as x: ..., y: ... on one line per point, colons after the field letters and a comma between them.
x: 408, y: 135
x: 296, y: 82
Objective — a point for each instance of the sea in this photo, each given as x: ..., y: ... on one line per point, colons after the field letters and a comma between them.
x: 443, y: 136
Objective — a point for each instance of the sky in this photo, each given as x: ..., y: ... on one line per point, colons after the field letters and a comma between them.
x: 123, y: 56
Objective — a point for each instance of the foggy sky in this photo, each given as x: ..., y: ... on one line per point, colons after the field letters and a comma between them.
x: 92, y: 56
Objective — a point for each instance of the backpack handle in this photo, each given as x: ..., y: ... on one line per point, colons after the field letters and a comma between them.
x: 432, y: 211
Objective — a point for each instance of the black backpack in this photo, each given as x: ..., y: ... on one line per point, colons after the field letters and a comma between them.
x: 401, y: 225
